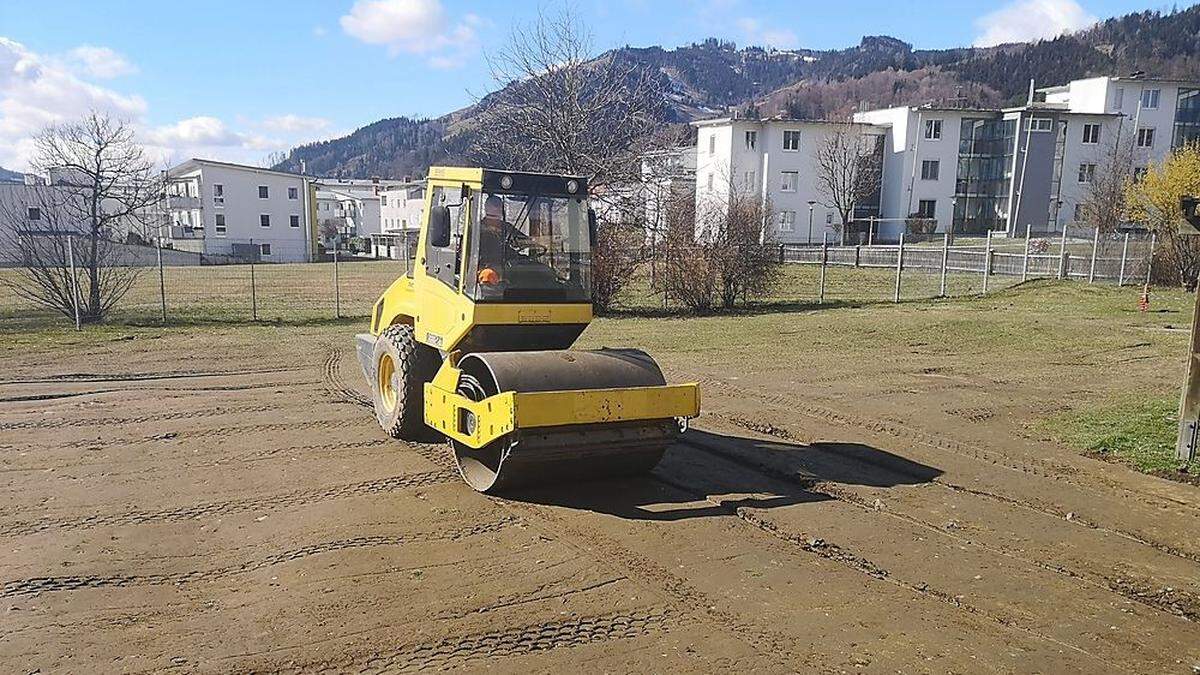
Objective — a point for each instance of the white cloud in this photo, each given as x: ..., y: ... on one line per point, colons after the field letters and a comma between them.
x: 36, y: 91
x: 754, y: 33
x: 99, y: 62
x: 296, y: 124
x: 1030, y: 20
x: 415, y: 27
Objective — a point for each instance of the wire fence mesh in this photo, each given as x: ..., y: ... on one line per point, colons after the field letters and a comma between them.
x: 172, y: 288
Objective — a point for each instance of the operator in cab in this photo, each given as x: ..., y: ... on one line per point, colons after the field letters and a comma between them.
x: 499, y: 241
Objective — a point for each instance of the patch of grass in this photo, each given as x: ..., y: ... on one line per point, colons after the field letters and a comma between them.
x: 1141, y: 434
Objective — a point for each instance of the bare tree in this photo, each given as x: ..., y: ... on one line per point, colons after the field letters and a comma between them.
x: 1105, y: 204
x: 849, y: 171
x: 724, y: 252
x: 101, y: 187
x: 561, y: 109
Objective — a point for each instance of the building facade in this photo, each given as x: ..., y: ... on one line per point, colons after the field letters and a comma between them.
x: 218, y: 208
x: 955, y: 170
x: 776, y: 159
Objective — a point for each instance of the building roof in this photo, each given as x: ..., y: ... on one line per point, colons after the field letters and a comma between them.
x: 188, y: 165
x: 778, y: 118
x: 1061, y: 88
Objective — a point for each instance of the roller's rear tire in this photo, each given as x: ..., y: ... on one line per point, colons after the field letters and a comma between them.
x: 402, y: 367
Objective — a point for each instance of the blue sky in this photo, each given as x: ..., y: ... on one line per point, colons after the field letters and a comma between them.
x: 237, y: 80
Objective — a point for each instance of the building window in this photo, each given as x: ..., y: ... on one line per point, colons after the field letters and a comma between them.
x: 265, y: 250
x: 791, y: 140
x: 1119, y: 99
x: 1145, y: 138
x: 294, y: 220
x: 712, y: 143
x: 788, y: 180
x: 1091, y: 133
x: 927, y: 208
x: 34, y: 213
x: 293, y: 193
x: 219, y: 228
x: 1150, y: 98
x: 933, y: 130
x: 263, y: 192
x: 1087, y: 172
x: 749, y: 179
x: 787, y: 221
x: 383, y: 200
x: 930, y: 169
x: 829, y: 218
x: 1041, y: 124
x: 751, y: 139
x: 264, y: 220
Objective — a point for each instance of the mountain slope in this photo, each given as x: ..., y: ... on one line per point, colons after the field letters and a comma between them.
x: 714, y: 77
x: 6, y: 175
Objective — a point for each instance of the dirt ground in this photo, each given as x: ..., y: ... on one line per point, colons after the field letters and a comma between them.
x: 220, y: 499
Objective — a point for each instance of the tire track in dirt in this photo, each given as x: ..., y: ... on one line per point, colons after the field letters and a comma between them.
x: 204, y: 510
x: 139, y: 377
x: 335, y: 386
x: 53, y: 396
x: 37, y: 585
x: 1044, y: 510
x: 903, y: 432
x: 692, y: 601
x: 216, y: 432
x: 835, y: 553
x: 466, y: 650
x: 187, y: 462
x: 1171, y: 601
x: 140, y: 419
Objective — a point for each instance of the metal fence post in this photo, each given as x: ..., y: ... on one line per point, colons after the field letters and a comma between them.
x: 1025, y: 259
x: 781, y: 260
x: 899, y: 265
x: 1095, y: 247
x: 337, y: 296
x: 162, y: 283
x: 871, y: 232
x: 1124, y: 254
x: 253, y: 289
x: 945, y: 263
x: 1062, y: 254
x: 824, y: 264
x: 987, y: 261
x: 1150, y: 260
x: 74, y: 281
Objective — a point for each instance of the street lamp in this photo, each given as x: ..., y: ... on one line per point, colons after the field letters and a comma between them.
x: 811, y: 202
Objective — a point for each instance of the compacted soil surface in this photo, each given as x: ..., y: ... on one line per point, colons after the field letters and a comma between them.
x: 221, y: 499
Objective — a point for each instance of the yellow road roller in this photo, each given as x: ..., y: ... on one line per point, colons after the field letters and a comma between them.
x: 472, y: 342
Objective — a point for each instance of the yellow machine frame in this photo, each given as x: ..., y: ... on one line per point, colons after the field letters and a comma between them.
x: 442, y: 316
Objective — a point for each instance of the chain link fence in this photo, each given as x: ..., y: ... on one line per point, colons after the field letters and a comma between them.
x: 167, y: 286
x: 177, y: 287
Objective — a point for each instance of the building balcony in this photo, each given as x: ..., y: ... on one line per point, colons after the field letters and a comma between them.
x: 182, y: 203
x: 178, y: 232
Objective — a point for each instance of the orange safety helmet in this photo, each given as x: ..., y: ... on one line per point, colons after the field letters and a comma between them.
x: 488, y: 276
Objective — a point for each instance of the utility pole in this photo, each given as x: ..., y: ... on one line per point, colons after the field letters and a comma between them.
x: 811, y: 203
x: 1189, y: 405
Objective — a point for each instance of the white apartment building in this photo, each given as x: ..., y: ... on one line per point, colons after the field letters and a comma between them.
x: 218, y: 208
x: 666, y: 174
x: 400, y: 207
x: 776, y: 159
x: 345, y: 215
x: 969, y: 170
